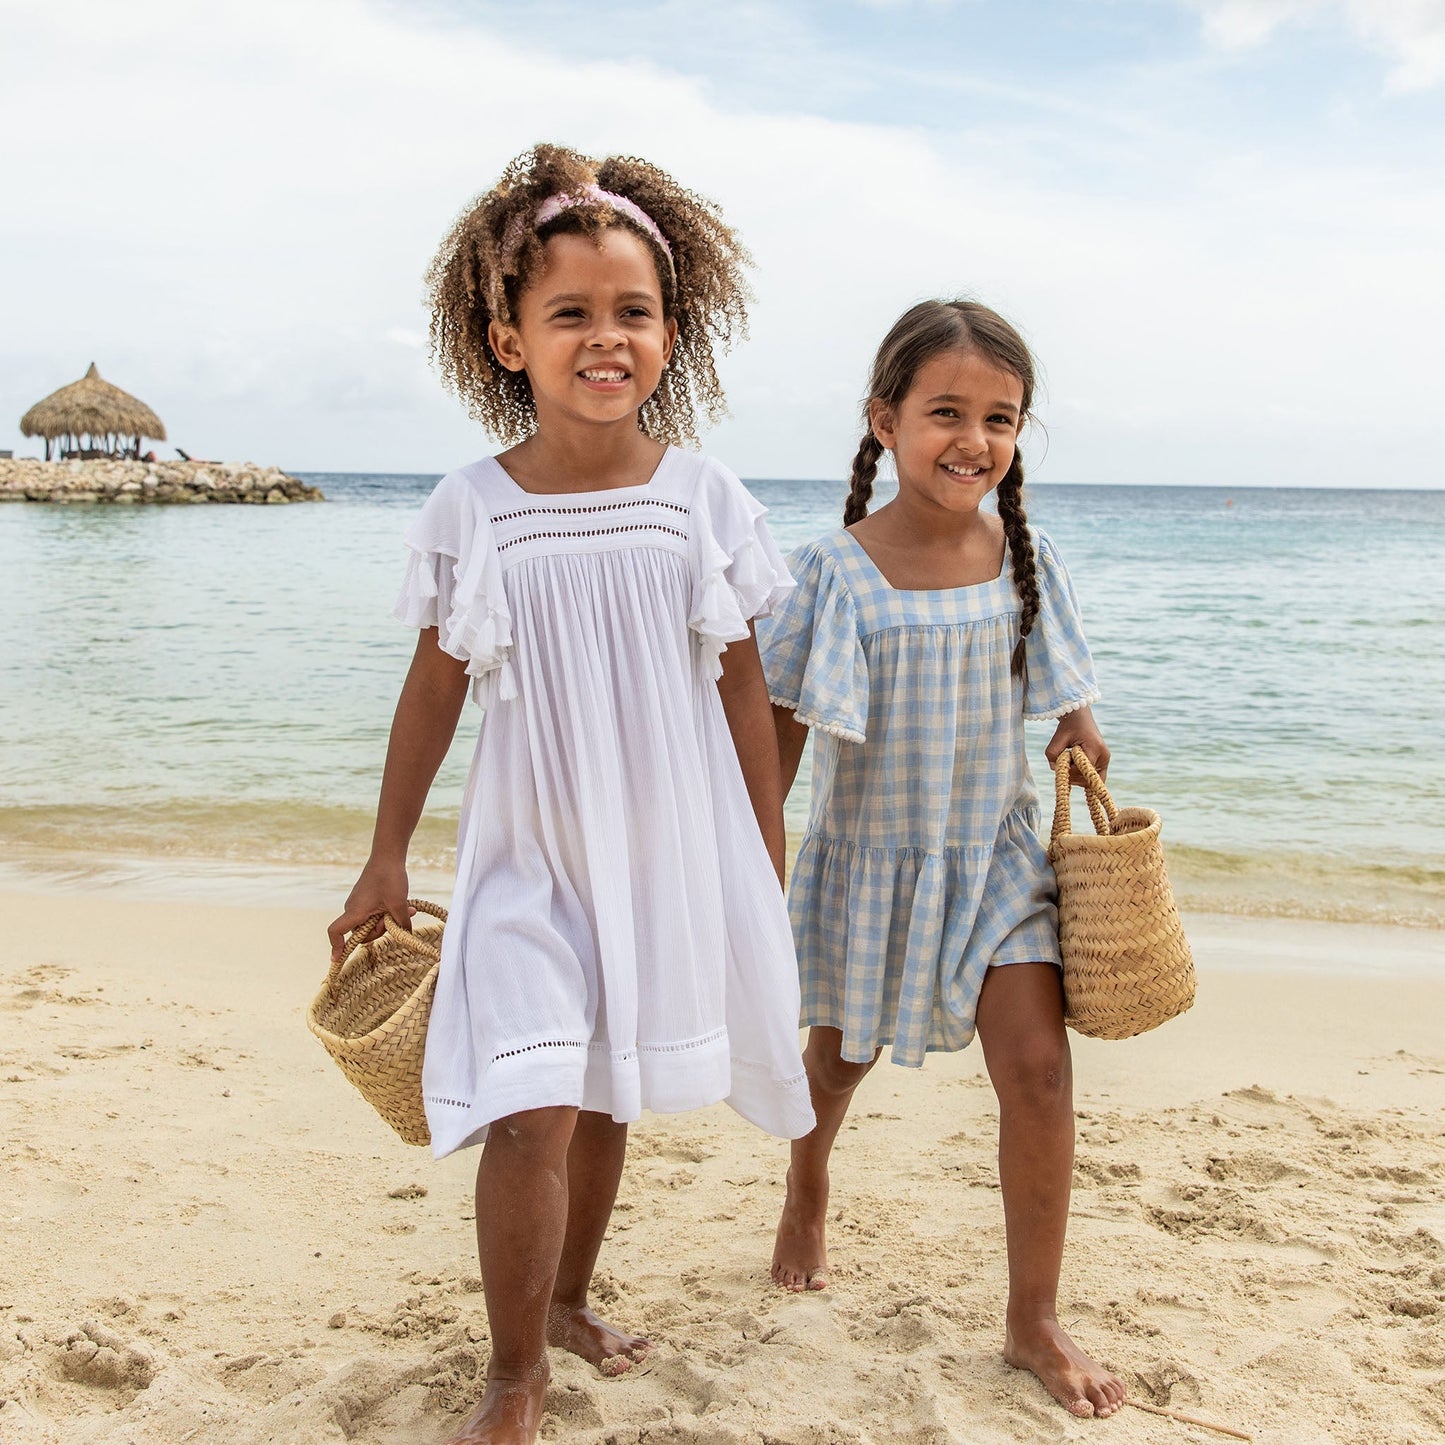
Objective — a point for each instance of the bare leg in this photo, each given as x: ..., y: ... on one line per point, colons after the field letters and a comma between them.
x: 594, y: 1168
x: 521, y: 1224
x: 800, y: 1255
x: 1021, y: 1027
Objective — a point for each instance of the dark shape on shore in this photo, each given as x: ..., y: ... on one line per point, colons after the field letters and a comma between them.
x: 90, y: 418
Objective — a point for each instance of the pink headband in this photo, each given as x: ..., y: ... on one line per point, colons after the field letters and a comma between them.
x: 554, y: 205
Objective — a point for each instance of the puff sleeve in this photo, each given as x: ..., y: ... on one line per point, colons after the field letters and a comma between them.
x: 738, y: 571
x: 813, y: 651
x: 1060, y: 671
x: 454, y: 583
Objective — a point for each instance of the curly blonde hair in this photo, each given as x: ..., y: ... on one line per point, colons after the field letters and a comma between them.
x: 494, y: 251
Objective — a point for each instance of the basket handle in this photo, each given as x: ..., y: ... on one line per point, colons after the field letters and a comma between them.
x: 363, y: 932
x: 1101, y: 805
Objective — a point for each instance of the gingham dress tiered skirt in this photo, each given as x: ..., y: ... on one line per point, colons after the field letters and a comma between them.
x: 922, y: 865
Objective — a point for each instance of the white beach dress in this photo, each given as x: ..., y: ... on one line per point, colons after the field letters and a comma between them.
x: 617, y: 938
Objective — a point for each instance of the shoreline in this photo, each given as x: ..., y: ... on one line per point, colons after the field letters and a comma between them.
x: 1258, y: 1208
x: 1283, y: 944
x: 1307, y: 890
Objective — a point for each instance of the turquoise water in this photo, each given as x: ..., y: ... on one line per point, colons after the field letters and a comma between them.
x: 217, y: 682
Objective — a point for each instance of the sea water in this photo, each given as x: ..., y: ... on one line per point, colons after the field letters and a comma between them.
x: 215, y: 683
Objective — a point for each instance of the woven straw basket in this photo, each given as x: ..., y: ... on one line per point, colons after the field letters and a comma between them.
x: 1127, y: 966
x: 372, y: 1011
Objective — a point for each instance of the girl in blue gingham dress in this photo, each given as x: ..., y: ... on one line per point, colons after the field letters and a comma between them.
x: 915, y: 645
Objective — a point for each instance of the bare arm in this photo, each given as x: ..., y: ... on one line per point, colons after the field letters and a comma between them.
x: 421, y: 732
x: 792, y: 739
x: 744, y: 693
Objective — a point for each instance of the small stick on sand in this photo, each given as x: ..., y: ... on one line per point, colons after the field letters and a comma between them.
x: 1186, y: 1419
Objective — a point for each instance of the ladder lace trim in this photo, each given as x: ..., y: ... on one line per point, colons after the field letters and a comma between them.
x: 687, y: 1045
x: 619, y: 1055
x: 544, y: 1044
x: 593, y: 532
x: 596, y: 507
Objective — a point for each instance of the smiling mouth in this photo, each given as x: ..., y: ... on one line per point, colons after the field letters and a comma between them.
x: 603, y: 373
x: 969, y: 474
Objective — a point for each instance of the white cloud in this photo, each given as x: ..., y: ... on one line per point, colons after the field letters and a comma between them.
x: 1410, y: 33
x: 1242, y: 24
x: 233, y: 219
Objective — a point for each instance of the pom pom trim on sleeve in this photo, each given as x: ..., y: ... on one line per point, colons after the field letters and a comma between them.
x: 818, y: 724
x: 1063, y: 709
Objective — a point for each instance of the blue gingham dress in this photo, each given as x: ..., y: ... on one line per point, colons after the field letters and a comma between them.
x: 922, y: 865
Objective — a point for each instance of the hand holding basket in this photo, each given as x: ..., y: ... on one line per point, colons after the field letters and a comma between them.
x: 1127, y: 965
x: 371, y: 1014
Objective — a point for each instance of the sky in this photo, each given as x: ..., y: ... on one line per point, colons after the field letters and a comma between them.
x: 1220, y: 223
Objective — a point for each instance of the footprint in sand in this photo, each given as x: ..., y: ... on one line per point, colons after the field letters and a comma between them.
x: 419, y: 1316
x: 94, y: 1355
x: 267, y: 1378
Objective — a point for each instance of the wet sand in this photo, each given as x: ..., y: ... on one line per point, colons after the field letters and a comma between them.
x: 207, y: 1236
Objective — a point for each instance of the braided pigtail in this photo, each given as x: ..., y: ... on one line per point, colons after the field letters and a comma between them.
x: 865, y: 469
x: 924, y: 331
x: 1021, y: 554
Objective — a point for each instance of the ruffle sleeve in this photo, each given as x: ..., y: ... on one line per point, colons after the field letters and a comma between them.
x: 454, y: 583
x: 738, y: 571
x: 1060, y: 671
x: 813, y: 652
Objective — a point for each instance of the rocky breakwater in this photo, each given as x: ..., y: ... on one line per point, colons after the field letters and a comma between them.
x: 128, y: 482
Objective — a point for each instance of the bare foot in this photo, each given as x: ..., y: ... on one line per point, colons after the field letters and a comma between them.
x: 1081, y: 1385
x: 510, y: 1412
x: 577, y: 1328
x: 800, y: 1256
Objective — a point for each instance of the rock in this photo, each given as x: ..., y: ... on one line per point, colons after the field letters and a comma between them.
x: 28, y: 479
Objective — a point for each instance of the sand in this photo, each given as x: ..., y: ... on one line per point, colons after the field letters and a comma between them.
x: 206, y: 1236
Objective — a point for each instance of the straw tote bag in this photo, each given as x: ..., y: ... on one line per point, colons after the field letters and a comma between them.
x: 371, y: 1014
x: 1127, y: 965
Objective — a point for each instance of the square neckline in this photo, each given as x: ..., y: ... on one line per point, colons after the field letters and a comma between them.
x: 663, y: 461
x: 927, y: 591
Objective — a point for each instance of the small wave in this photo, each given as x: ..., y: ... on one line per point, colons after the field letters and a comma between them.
x: 1308, y: 885
x: 243, y: 833
x: 265, y: 834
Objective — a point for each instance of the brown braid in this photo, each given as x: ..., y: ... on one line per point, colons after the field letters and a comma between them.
x: 865, y: 468
x: 493, y: 252
x: 920, y: 334
x: 1021, y: 554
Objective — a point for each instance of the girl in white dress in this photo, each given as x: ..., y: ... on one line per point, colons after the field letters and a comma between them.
x: 618, y: 938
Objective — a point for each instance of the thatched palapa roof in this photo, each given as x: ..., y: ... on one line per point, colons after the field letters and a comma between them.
x: 91, y: 407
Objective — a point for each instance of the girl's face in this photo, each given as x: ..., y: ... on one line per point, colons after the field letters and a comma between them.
x: 954, y: 434
x: 590, y: 331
